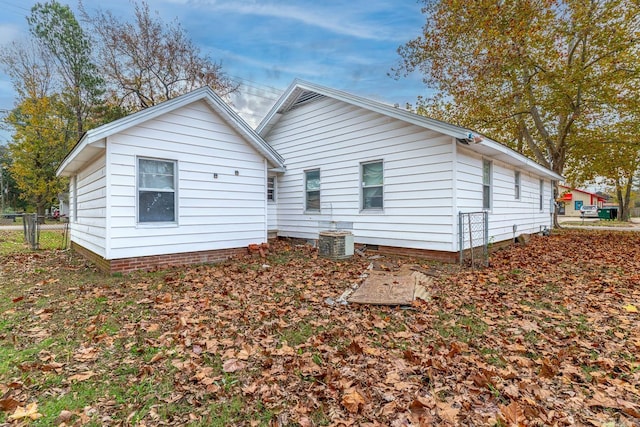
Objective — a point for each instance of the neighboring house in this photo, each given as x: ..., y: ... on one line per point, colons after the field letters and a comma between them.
x: 398, y: 178
x: 570, y: 200
x: 182, y: 182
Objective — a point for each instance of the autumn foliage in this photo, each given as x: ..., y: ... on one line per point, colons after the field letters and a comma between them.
x: 548, y: 335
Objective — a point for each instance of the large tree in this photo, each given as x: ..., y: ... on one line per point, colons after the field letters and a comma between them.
x: 43, y: 127
x: 55, y: 27
x: 43, y: 134
x: 613, y: 154
x: 532, y: 73
x: 148, y: 61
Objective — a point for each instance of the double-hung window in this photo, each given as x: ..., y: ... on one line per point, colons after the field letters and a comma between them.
x: 517, y: 185
x: 372, y: 185
x: 486, y: 184
x: 312, y: 190
x: 271, y: 188
x: 156, y: 190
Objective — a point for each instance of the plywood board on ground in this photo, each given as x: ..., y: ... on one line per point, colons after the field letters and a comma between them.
x: 385, y: 288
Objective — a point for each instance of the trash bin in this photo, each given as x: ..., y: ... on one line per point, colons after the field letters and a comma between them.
x: 608, y: 213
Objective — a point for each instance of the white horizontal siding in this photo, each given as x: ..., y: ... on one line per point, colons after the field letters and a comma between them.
x: 213, y: 213
x: 89, y: 228
x: 506, y: 211
x: 336, y: 137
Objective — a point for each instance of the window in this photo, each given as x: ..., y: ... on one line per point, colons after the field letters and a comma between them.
x: 517, y: 185
x: 271, y: 188
x: 312, y: 190
x: 156, y: 190
x: 372, y: 185
x: 486, y: 184
x: 541, y: 195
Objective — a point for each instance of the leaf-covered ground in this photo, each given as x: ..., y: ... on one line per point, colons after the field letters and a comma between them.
x: 548, y: 335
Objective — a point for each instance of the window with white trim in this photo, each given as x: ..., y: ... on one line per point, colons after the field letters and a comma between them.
x: 517, y: 185
x: 271, y: 188
x: 486, y: 184
x: 312, y: 190
x: 372, y: 185
x: 541, y: 195
x: 156, y: 190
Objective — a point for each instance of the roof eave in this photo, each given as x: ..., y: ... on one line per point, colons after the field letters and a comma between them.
x: 468, y: 136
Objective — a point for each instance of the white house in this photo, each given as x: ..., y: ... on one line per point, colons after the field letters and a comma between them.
x: 188, y: 181
x: 398, y: 178
x: 181, y: 182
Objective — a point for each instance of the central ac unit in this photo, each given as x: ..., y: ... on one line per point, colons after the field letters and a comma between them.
x: 335, y: 244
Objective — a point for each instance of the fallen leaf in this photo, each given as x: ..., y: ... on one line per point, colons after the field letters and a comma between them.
x: 631, y: 308
x: 233, y: 365
x: 513, y: 414
x: 353, y: 402
x: 30, y: 411
x: 64, y: 417
x: 86, y: 354
x: 82, y: 376
x: 447, y: 412
x: 8, y: 404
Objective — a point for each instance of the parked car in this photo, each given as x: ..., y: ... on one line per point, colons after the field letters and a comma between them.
x: 589, y: 211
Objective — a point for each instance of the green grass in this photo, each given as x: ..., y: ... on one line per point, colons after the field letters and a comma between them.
x: 231, y: 412
x: 12, y: 241
x: 464, y: 328
x: 298, y: 333
x: 599, y: 223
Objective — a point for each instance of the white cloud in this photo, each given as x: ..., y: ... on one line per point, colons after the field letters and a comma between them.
x: 347, y: 19
x: 9, y: 33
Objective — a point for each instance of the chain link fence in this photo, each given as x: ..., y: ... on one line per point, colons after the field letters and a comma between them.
x: 32, y: 225
x: 473, y: 233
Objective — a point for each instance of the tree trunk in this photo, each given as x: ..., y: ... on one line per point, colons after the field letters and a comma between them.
x: 40, y: 210
x: 556, y: 224
x: 624, y: 200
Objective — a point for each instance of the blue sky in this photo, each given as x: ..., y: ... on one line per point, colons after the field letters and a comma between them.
x: 265, y: 44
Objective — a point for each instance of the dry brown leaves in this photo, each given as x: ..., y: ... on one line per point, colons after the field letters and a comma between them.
x: 546, y: 336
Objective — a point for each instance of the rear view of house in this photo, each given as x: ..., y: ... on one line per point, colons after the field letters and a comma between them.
x: 181, y: 182
x: 396, y: 179
x: 188, y: 181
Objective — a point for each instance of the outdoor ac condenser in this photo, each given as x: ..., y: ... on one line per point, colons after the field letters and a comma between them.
x: 335, y: 244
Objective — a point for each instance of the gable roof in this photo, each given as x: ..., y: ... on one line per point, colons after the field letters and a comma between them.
x: 93, y: 141
x: 301, y: 92
x: 578, y: 190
